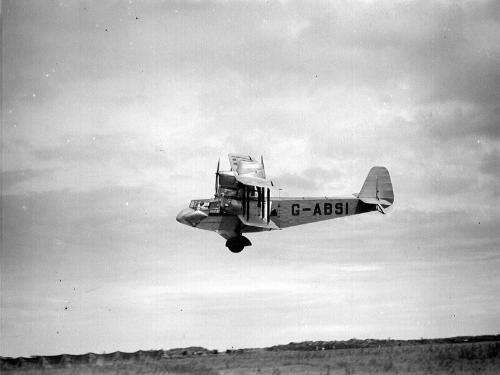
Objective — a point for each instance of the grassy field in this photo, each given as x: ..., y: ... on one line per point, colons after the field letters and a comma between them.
x: 463, y: 358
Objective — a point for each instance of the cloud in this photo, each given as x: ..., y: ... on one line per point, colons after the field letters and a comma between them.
x: 491, y: 163
x: 115, y: 115
x: 315, y: 180
x: 13, y: 178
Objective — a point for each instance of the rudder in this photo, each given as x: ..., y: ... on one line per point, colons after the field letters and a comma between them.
x: 377, y: 188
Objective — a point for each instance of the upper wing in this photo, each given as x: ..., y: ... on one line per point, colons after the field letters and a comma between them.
x: 249, y: 171
x: 234, y: 160
x: 254, y: 181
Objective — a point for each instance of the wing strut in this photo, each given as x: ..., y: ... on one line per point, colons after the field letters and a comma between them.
x: 268, y: 204
x: 263, y: 211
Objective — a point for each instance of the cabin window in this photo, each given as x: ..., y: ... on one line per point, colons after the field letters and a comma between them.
x: 227, y: 181
x: 199, y: 205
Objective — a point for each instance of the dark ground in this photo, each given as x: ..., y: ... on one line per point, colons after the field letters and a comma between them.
x: 464, y: 355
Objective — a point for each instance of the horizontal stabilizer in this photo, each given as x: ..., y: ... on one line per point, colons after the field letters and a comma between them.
x: 375, y: 201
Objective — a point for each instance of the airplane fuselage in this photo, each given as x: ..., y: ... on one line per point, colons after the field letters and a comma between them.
x: 243, y: 203
x: 220, y: 214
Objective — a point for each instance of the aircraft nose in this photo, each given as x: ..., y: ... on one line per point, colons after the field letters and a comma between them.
x: 181, y: 216
x: 190, y: 217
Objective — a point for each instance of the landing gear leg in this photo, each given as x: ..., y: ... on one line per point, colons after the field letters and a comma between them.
x: 236, y: 244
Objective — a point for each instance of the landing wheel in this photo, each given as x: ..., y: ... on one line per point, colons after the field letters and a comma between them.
x: 236, y: 248
x: 237, y: 244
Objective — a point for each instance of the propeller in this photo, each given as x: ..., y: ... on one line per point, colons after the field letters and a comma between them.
x: 217, y: 178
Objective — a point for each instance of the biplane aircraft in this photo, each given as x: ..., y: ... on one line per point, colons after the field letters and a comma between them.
x: 243, y: 203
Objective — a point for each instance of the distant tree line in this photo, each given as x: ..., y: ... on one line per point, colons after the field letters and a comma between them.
x: 375, y: 343
x: 154, y: 356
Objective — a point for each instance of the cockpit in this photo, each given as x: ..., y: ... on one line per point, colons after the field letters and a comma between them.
x: 211, y: 206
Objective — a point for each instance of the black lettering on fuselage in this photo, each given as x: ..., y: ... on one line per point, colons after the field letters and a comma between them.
x: 339, y: 208
x: 327, y: 208
x: 317, y: 210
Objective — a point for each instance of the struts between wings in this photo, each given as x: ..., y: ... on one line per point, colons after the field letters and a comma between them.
x: 243, y: 203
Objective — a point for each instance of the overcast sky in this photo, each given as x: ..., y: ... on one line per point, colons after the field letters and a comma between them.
x: 114, y: 115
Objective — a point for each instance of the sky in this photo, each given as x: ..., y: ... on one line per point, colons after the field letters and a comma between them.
x: 115, y: 113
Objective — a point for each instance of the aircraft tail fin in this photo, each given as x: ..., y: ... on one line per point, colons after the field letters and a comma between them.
x: 377, y: 189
